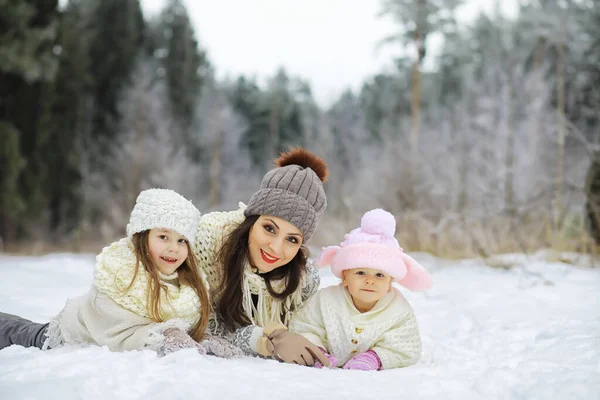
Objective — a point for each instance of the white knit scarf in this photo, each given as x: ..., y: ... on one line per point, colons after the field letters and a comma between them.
x: 115, y: 268
x: 268, y: 309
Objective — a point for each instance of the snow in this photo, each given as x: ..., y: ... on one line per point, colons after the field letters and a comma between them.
x: 529, y: 332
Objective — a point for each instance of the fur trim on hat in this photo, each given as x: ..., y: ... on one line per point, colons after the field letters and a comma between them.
x: 305, y: 159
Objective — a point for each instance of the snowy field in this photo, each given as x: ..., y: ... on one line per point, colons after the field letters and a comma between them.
x: 524, y: 333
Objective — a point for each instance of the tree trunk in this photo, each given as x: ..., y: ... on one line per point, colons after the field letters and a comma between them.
x: 141, y: 127
x: 407, y: 195
x: 592, y: 194
x: 540, y: 47
x: 415, y: 104
x: 560, y: 114
x: 215, y: 169
x: 274, y: 126
x: 509, y: 195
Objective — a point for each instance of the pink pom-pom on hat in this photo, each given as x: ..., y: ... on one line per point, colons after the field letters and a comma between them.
x: 373, y: 245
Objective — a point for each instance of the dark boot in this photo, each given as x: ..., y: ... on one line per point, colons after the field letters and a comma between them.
x: 21, y: 331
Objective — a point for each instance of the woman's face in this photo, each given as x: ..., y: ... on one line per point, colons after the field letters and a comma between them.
x: 272, y: 243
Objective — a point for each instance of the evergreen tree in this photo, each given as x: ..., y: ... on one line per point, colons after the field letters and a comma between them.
x: 185, y: 67
x: 385, y: 100
x: 277, y: 118
x: 592, y: 192
x: 185, y: 62
x: 286, y: 125
x: 70, y: 95
x: 585, y: 111
x: 27, y: 40
x: 116, y: 29
x: 11, y: 163
x: 247, y: 100
x: 417, y: 20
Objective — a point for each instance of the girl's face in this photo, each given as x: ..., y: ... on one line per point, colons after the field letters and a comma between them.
x: 366, y: 286
x: 272, y: 243
x: 168, y: 249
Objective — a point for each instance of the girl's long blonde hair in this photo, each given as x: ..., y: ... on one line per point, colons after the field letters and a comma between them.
x: 188, y: 275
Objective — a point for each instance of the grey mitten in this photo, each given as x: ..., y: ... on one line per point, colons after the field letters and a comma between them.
x: 220, y: 347
x: 176, y: 339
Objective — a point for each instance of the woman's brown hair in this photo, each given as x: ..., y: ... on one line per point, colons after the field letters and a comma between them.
x: 188, y: 275
x: 233, y: 255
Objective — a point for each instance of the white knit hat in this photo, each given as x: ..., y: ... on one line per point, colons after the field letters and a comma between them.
x: 164, y: 208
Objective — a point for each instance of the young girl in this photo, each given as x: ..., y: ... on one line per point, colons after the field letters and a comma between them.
x: 147, y: 290
x: 365, y: 323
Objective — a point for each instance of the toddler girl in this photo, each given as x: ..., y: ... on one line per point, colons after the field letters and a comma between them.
x: 365, y: 323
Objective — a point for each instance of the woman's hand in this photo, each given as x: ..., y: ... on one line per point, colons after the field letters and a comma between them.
x: 293, y: 348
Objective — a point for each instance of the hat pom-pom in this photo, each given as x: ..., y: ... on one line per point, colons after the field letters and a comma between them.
x: 378, y: 222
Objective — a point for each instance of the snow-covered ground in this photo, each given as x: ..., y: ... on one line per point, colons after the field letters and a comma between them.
x: 523, y: 333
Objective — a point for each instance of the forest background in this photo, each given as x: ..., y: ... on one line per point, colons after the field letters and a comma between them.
x: 494, y: 149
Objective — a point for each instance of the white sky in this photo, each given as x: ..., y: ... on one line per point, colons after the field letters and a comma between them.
x: 330, y: 44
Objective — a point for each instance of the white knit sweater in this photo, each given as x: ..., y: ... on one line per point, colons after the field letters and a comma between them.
x: 330, y: 320
x: 95, y: 319
x: 212, y: 231
x: 117, y: 318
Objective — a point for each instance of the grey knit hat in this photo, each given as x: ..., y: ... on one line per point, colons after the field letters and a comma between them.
x: 293, y: 191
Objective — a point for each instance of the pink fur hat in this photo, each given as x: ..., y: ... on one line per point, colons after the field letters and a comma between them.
x: 373, y: 246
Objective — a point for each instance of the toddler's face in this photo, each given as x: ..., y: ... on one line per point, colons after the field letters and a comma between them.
x: 168, y: 249
x: 366, y: 286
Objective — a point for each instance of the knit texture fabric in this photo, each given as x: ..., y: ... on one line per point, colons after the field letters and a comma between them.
x: 164, y: 208
x: 367, y: 361
x: 110, y: 314
x: 95, y: 319
x: 216, y: 346
x: 292, y: 193
x: 330, y: 320
x: 115, y: 267
x: 176, y: 339
x: 212, y: 231
x: 373, y: 245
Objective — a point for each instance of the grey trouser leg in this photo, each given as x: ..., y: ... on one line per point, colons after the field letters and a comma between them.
x: 17, y: 330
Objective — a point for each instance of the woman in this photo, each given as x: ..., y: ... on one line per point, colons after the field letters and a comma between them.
x: 256, y: 261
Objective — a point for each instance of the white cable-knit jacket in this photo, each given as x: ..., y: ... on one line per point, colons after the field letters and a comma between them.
x: 212, y: 231
x: 95, y: 319
x: 108, y: 315
x: 330, y: 320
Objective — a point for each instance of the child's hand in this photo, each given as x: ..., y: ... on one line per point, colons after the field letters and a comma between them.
x: 176, y: 339
x: 367, y: 361
x: 220, y: 347
x: 332, y: 360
